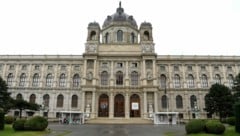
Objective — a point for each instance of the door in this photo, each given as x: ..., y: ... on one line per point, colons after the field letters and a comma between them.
x: 134, y: 106
x: 103, y: 106
x: 119, y: 106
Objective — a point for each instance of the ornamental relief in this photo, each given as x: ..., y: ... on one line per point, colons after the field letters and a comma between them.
x: 91, y: 48
x: 147, y: 48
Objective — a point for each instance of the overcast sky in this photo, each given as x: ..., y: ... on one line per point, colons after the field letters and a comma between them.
x: 180, y: 27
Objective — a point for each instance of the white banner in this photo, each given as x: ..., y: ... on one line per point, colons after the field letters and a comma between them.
x: 135, y: 106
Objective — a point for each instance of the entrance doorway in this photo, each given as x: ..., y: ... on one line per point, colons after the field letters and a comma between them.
x: 134, y: 106
x: 119, y: 106
x: 103, y: 106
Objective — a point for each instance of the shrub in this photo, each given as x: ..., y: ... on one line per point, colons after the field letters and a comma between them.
x: 237, y: 115
x: 36, y: 123
x: 215, y: 127
x: 9, y: 119
x: 231, y: 121
x: 18, y: 125
x: 1, y: 120
x: 195, y: 126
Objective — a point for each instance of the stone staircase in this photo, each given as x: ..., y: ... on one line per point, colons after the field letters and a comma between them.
x: 119, y: 121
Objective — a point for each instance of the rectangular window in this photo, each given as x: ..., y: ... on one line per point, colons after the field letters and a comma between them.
x: 134, y: 65
x: 176, y: 68
x: 203, y: 68
x: 50, y: 67
x: 76, y: 67
x: 11, y: 67
x: 37, y: 67
x: 63, y: 67
x: 104, y: 65
x: 162, y: 68
x: 24, y: 67
x: 119, y: 65
x: 216, y: 68
x: 90, y: 63
x: 189, y: 68
x: 229, y: 68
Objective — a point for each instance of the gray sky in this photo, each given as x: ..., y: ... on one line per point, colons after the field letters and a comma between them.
x: 180, y: 27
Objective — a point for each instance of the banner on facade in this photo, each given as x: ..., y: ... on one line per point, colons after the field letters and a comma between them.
x: 135, y: 106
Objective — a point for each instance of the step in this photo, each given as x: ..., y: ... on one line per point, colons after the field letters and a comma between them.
x: 119, y: 121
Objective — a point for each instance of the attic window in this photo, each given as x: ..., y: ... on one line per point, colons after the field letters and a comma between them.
x: 93, y: 35
x: 119, y: 35
x: 146, y: 35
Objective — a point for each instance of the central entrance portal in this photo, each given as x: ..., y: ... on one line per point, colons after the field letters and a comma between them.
x: 134, y: 106
x: 119, y: 106
x: 103, y: 106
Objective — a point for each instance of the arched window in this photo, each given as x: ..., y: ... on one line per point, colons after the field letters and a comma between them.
x: 74, y: 101
x: 10, y: 79
x: 19, y: 97
x: 22, y: 79
x: 146, y: 35
x: 49, y: 80
x: 134, y: 78
x: 46, y: 99
x: 217, y: 79
x: 163, y: 81
x: 32, y: 98
x: 190, y: 81
x: 193, y: 101
x: 230, y: 80
x: 204, y: 81
x: 76, y: 80
x: 179, y: 102
x: 93, y: 35
x: 119, y: 35
x: 36, y: 78
x: 132, y: 38
x: 62, y: 80
x: 104, y: 78
x: 176, y: 81
x: 60, y: 100
x: 119, y: 78
x: 164, y: 101
x: 106, y: 37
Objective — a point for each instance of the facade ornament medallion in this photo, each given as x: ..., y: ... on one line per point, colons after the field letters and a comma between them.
x: 147, y: 48
x: 91, y: 48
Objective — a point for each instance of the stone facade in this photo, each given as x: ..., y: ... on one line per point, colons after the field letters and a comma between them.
x: 119, y: 75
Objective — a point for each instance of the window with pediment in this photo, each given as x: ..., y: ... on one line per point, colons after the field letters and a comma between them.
x: 10, y: 79
x: 119, y: 78
x: 204, y: 81
x: 134, y: 78
x: 76, y: 80
x: 104, y: 78
x: 36, y: 79
x: 22, y: 79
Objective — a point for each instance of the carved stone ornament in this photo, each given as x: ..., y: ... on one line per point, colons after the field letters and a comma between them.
x: 89, y: 76
x: 148, y: 48
x: 91, y: 48
x: 149, y: 76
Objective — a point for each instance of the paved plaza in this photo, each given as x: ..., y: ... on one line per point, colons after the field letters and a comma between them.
x: 116, y: 130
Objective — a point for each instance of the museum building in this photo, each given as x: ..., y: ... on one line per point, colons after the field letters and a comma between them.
x: 119, y: 75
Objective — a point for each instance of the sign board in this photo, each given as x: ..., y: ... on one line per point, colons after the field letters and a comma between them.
x: 135, y: 106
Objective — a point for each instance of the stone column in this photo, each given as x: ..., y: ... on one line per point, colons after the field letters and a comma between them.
x: 84, y: 72
x: 143, y: 73
x: 127, y: 76
x: 112, y: 74
x: 93, y: 113
x: 127, y: 108
x: 145, y: 104
x: 94, y: 72
x: 83, y: 102
x: 111, y: 105
x: 154, y: 73
x: 155, y: 101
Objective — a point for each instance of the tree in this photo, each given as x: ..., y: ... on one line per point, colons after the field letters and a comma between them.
x: 5, y: 98
x: 21, y: 105
x: 236, y: 87
x: 219, y: 100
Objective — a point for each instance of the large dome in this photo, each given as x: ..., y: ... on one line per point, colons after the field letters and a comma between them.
x: 120, y: 17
